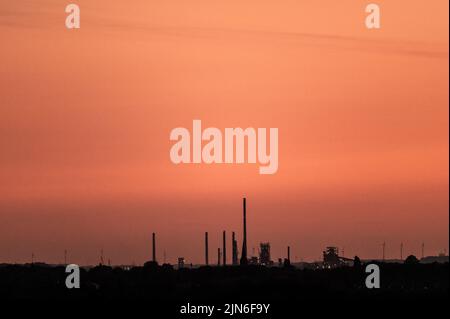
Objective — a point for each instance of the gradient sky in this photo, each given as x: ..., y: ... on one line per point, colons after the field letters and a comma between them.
x: 85, y: 117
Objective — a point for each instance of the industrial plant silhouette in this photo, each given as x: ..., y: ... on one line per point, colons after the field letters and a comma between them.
x: 264, y: 259
x: 255, y: 278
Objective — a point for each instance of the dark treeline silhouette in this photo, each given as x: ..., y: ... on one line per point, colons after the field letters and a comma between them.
x: 233, y: 284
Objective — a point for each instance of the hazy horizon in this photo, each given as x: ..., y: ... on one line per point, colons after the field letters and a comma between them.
x: 85, y: 118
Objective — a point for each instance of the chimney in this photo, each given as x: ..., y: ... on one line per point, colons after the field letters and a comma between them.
x: 218, y: 256
x: 206, y: 249
x: 224, y: 248
x: 154, y: 247
x: 244, y: 260
x: 234, y: 249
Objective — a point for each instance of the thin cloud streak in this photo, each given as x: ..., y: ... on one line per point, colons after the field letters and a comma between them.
x: 21, y: 19
x: 400, y: 47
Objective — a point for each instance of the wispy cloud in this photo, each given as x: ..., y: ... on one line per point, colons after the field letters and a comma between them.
x: 335, y: 41
x: 48, y: 13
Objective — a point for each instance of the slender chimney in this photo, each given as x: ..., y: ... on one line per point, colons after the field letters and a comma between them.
x: 244, y: 260
x: 154, y: 247
x: 206, y: 249
x: 224, y: 254
x: 218, y: 256
x: 234, y: 249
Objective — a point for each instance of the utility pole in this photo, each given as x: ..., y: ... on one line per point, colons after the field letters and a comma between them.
x: 206, y: 249
x: 224, y: 253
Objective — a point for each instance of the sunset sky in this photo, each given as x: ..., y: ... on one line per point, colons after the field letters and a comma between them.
x: 85, y: 118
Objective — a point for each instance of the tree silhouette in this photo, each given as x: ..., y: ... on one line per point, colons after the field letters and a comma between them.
x: 357, y: 262
x: 411, y: 260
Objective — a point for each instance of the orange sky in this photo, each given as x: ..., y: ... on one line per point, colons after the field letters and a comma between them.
x: 85, y: 117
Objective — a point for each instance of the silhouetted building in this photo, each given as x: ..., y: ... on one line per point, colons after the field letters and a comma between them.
x: 331, y: 258
x: 264, y: 254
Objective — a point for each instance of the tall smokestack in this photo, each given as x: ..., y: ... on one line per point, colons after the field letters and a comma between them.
x: 244, y: 260
x: 234, y: 249
x: 224, y: 254
x: 218, y: 256
x: 206, y: 249
x: 154, y: 247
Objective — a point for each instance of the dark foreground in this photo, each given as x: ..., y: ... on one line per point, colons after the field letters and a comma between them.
x: 218, y: 283
x: 287, y: 287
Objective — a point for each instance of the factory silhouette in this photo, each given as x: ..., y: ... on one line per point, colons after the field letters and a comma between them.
x: 331, y: 256
x: 222, y: 253
x: 281, y: 283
